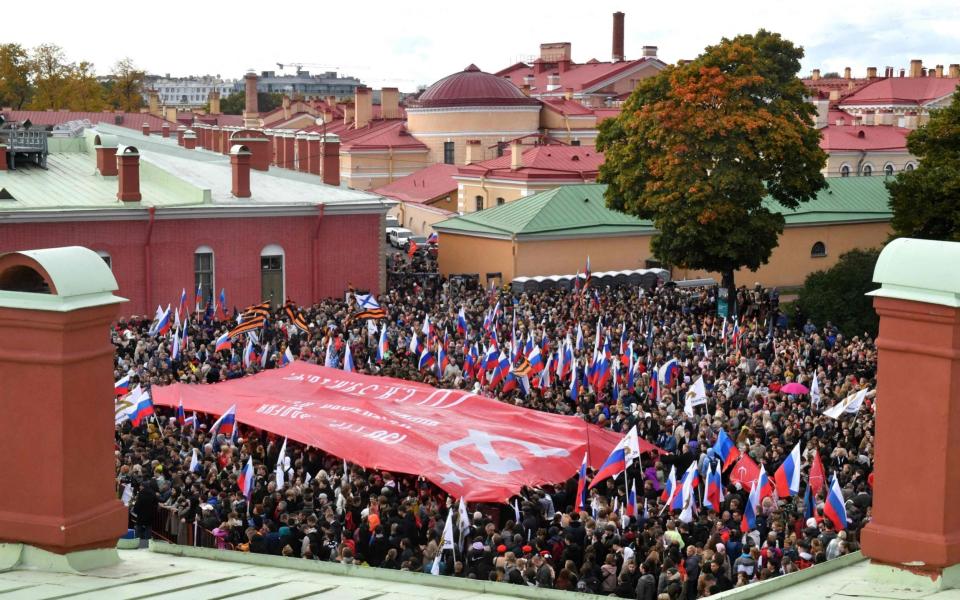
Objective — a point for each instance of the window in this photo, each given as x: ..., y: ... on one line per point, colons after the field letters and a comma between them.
x: 271, y: 274
x: 448, y: 153
x: 819, y: 250
x: 106, y: 258
x: 575, y: 142
x: 909, y: 167
x: 479, y: 203
x: 500, y: 201
x: 203, y: 271
x: 845, y: 171
x: 888, y: 169
x: 500, y: 147
x: 867, y: 170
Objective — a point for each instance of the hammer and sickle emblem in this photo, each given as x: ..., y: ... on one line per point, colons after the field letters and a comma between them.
x: 492, y: 462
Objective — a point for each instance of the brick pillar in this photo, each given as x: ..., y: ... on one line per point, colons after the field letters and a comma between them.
x: 56, y: 365
x: 128, y: 174
x: 330, y: 163
x: 189, y: 140
x: 145, y: 128
x: 916, y: 529
x: 106, y: 159
x: 165, y: 130
x: 313, y: 153
x: 289, y: 143
x: 240, y: 171
x: 180, y: 130
x: 3, y: 157
x: 302, y: 152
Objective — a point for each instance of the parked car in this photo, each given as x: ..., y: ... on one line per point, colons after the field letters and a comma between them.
x: 421, y: 241
x: 389, y: 232
x: 392, y: 222
x: 399, y: 236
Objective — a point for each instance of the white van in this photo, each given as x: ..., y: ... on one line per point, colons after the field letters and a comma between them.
x: 399, y: 237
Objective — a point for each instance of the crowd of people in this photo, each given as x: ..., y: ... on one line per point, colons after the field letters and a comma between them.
x: 329, y: 510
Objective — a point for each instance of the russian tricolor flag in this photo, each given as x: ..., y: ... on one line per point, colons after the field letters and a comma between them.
x: 183, y: 301
x: 574, y: 385
x: 245, y: 480
x: 223, y: 343
x: 382, y: 346
x: 632, y: 500
x: 181, y: 416
x: 714, y: 492
x: 668, y: 372
x: 787, y: 477
x: 426, y: 360
x: 287, y: 357
x: 582, y: 485
x: 462, y: 322
x: 142, y: 410
x: 834, y: 508
x: 670, y: 489
x: 749, y: 521
x: 122, y: 385
x: 348, y: 365
x: 227, y: 422
x: 615, y: 464
x: 199, y: 296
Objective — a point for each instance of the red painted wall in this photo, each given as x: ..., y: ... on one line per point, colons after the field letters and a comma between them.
x: 349, y: 251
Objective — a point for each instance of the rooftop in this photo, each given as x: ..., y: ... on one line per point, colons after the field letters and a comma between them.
x: 422, y: 186
x: 835, y: 137
x: 580, y: 210
x: 472, y: 87
x: 171, y: 178
x: 168, y: 571
x: 578, y: 77
x: 130, y: 120
x: 913, y: 91
x: 549, y: 162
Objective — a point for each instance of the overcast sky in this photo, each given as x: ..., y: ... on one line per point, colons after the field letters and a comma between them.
x: 410, y: 43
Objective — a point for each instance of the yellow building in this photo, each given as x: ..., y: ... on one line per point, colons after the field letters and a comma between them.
x: 552, y: 233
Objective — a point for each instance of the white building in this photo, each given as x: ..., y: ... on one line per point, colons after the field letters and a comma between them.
x: 188, y: 92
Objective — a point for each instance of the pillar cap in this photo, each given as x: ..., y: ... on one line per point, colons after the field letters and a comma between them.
x: 77, y: 277
x: 910, y: 269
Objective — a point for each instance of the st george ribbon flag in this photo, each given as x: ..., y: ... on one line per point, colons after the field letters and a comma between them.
x: 469, y: 445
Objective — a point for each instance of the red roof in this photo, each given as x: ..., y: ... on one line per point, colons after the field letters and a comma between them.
x: 379, y: 134
x: 424, y: 185
x: 566, y: 107
x: 124, y: 119
x: 577, y: 77
x: 824, y: 86
x: 903, y: 90
x: 607, y: 113
x: 864, y: 137
x: 472, y: 87
x: 219, y: 120
x: 579, y: 163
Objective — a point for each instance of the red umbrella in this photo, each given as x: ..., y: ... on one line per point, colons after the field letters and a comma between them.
x: 795, y: 388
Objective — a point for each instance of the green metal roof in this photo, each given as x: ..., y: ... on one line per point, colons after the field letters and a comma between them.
x: 566, y: 210
x: 581, y: 210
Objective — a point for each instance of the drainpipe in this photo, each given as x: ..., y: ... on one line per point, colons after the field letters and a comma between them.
x: 314, y: 282
x: 483, y: 186
x: 513, y: 241
x: 390, y: 167
x: 863, y: 155
x: 147, y: 259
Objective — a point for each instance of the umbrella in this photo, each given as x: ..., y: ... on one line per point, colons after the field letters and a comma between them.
x: 794, y: 388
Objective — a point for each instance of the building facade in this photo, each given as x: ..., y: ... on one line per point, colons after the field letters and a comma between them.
x: 189, y: 92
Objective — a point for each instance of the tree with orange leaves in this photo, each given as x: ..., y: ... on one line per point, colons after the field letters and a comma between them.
x: 705, y: 148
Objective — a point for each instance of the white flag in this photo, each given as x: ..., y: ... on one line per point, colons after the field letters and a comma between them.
x: 696, y: 395
x: 815, y: 390
x: 464, y: 521
x: 631, y: 446
x: 850, y: 405
x: 127, y: 495
x: 194, y: 462
x: 446, y: 540
x: 280, y: 464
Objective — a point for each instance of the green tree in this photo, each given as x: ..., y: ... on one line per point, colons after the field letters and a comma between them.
x: 839, y: 295
x: 14, y: 76
x: 84, y: 92
x: 49, y: 72
x: 235, y: 102
x: 126, y: 89
x: 926, y: 201
x: 699, y: 146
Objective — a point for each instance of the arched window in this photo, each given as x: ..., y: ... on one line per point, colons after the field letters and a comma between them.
x: 845, y: 170
x: 479, y: 203
x: 272, y: 274
x: 106, y: 258
x: 500, y: 201
x: 867, y: 170
x: 909, y: 167
x: 819, y: 250
x: 888, y: 169
x: 203, y: 273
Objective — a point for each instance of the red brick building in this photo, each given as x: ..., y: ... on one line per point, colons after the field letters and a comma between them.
x: 194, y: 217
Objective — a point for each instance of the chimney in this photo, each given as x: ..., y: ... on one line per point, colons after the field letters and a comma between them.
x: 939, y: 72
x: 251, y: 111
x: 189, y: 139
x: 390, y: 103
x: 170, y: 114
x: 330, y: 153
x: 871, y: 72
x: 539, y: 66
x: 474, y: 152
x: 846, y: 72
x: 313, y: 153
x: 516, y: 155
x: 153, y: 102
x: 180, y: 130
x: 128, y: 174
x: 145, y: 128
x: 3, y: 157
x: 888, y: 72
x: 165, y: 130
x: 954, y: 71
x: 258, y: 144
x: 563, y: 65
x: 240, y: 171
x: 834, y: 95
x: 214, y: 102
x: 285, y: 103
x: 617, y: 36
x: 363, y: 100
x: 912, y: 538
x: 649, y: 51
x: 302, y: 152
x: 553, y: 81
x: 816, y: 75
x: 902, y: 72
x: 348, y: 114
x: 48, y: 311
x: 916, y: 68
x: 106, y: 149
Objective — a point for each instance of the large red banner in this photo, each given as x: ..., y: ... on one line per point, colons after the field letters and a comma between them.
x: 471, y: 446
